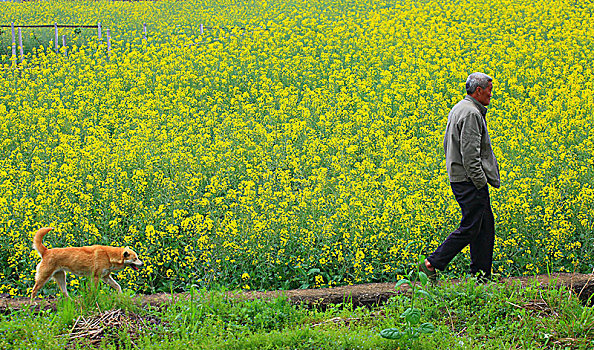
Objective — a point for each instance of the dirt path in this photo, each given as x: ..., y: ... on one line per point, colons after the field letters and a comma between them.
x: 363, y: 294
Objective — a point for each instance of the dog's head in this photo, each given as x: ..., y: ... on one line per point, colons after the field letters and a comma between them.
x: 130, y: 258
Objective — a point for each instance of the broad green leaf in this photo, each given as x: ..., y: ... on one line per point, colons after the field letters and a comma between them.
x: 426, y: 328
x: 412, y: 315
x: 391, y: 333
x: 423, y: 278
x: 401, y: 282
x: 425, y: 294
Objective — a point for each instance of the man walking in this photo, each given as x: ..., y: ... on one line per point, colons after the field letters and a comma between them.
x: 471, y: 165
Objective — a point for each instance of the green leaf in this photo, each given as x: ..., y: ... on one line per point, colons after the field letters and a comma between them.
x: 312, y: 271
x: 425, y: 293
x: 412, y: 315
x: 426, y: 328
x: 401, y: 282
x: 391, y: 333
x: 423, y: 278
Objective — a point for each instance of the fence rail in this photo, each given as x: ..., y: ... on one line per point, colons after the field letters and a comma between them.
x: 56, y: 37
x: 48, y: 26
x: 17, y: 35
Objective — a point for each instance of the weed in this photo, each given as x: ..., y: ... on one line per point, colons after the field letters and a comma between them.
x: 413, y: 328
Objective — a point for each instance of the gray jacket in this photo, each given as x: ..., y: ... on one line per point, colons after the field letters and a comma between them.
x: 469, y: 156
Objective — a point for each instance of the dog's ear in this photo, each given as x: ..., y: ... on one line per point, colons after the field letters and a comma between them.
x: 126, y: 254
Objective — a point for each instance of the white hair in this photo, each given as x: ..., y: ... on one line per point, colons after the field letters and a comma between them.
x: 475, y: 80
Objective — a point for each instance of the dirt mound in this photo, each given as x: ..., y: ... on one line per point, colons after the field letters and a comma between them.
x: 358, y: 295
x: 371, y: 294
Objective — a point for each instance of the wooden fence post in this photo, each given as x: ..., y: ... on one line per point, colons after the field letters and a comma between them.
x: 64, y: 45
x: 201, y: 29
x: 144, y: 31
x: 99, y: 30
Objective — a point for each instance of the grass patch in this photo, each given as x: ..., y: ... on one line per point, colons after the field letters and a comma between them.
x: 466, y: 315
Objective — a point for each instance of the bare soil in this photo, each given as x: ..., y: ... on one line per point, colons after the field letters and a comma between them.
x: 370, y: 294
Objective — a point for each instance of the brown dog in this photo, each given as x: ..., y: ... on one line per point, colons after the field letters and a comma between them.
x: 97, y: 261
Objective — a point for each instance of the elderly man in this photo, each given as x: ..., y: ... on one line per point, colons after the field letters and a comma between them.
x: 471, y: 165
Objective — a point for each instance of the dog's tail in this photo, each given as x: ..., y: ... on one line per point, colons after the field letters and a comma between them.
x: 37, y: 240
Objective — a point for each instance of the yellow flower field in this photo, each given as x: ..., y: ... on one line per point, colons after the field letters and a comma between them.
x: 299, y: 147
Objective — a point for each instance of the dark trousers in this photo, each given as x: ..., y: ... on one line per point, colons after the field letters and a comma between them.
x: 477, y: 228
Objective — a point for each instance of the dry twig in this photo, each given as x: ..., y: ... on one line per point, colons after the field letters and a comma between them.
x: 106, y: 325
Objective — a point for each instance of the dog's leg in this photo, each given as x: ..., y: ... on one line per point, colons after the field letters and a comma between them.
x: 41, y: 277
x: 109, y: 280
x: 96, y: 282
x: 60, y: 278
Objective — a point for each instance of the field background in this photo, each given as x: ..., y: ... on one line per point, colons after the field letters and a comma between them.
x: 301, y: 147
